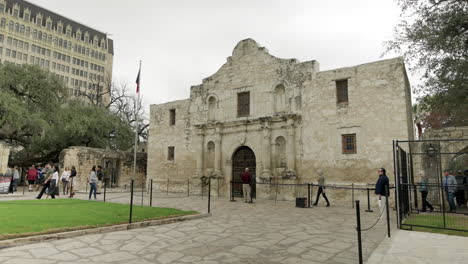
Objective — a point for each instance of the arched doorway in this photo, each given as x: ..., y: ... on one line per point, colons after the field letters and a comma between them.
x: 243, y: 158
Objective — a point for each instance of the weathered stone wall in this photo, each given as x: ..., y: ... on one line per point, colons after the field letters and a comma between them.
x: 84, y: 158
x: 294, y: 126
x: 378, y: 111
x: 4, y: 155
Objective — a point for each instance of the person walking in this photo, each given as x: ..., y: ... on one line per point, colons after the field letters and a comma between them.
x: 381, y: 187
x: 450, y: 187
x: 321, y: 190
x: 65, y: 180
x: 93, y: 180
x: 32, y: 177
x: 47, y: 172
x: 100, y: 176
x: 424, y: 189
x: 9, y: 174
x: 460, y: 193
x: 54, y: 182
x: 16, y: 178
x: 246, y: 178
x: 72, y: 177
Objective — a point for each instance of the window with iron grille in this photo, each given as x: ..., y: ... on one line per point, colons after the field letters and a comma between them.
x: 348, y: 142
x: 243, y: 104
x: 170, y: 153
x: 342, y: 91
x: 172, y: 117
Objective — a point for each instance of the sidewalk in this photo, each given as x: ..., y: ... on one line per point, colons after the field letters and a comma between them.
x: 414, y: 247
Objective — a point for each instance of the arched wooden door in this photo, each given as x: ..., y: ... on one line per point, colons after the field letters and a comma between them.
x: 243, y: 158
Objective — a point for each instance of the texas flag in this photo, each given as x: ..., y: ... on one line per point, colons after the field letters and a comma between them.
x: 138, y: 81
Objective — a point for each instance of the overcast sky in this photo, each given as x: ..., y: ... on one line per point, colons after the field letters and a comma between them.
x: 183, y: 41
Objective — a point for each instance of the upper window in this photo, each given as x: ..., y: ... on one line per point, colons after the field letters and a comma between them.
x: 172, y: 116
x: 170, y: 153
x: 348, y: 143
x: 243, y: 104
x: 342, y: 91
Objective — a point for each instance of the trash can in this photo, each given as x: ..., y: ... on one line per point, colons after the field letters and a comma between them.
x: 301, y: 202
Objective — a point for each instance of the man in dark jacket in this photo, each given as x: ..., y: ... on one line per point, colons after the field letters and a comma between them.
x: 246, y: 178
x: 381, y: 188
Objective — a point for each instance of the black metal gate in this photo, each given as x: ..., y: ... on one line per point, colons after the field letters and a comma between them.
x: 426, y: 196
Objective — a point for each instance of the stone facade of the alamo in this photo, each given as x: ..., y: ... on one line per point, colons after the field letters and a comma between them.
x: 284, y: 119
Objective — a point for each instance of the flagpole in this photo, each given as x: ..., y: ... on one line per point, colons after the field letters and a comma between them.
x: 136, y: 127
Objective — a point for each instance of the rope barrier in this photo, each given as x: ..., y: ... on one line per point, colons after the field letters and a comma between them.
x: 313, y: 184
x: 378, y: 219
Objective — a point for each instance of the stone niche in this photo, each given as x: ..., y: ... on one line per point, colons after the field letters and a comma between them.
x: 117, y: 165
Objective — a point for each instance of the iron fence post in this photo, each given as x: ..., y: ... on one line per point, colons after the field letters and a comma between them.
x: 368, y: 201
x: 188, y: 188
x: 209, y: 194
x: 151, y: 193
x: 142, y: 191
x: 387, y: 192
x: 105, y: 187
x: 232, y: 191
x: 352, y: 194
x: 131, y: 203
x: 358, y: 229
x: 308, y: 195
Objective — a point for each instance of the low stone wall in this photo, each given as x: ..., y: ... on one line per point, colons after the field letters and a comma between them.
x: 118, y: 165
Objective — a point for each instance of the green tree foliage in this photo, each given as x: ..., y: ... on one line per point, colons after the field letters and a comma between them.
x: 29, y: 97
x: 35, y: 115
x: 434, y: 38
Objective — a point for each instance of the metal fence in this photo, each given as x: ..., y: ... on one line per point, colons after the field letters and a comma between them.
x: 431, y: 179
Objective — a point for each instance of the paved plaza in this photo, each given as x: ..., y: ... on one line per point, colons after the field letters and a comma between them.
x: 264, y: 232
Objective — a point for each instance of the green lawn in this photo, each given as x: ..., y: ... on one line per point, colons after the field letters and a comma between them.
x: 436, y: 220
x: 29, y: 217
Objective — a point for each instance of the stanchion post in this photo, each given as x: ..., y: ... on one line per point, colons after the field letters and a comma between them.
x: 358, y: 229
x: 387, y: 209
x: 105, y: 187
x: 368, y: 201
x: 142, y: 191
x: 167, y: 187
x: 151, y: 193
x: 209, y: 194
x: 188, y: 188
x: 232, y: 191
x: 308, y: 195
x: 352, y: 194
x: 131, y: 202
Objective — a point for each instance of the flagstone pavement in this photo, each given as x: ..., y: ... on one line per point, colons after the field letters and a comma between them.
x: 264, y: 232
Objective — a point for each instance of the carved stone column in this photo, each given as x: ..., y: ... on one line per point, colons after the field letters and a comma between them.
x: 290, y: 145
x: 266, y: 146
x: 199, y: 151
x: 217, y: 161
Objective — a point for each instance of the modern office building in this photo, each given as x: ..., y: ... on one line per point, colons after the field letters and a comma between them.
x: 77, y: 54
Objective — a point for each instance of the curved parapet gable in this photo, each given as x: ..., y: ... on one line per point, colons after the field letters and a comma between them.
x: 249, y: 54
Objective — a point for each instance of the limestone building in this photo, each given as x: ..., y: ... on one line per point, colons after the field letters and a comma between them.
x: 79, y: 55
x: 284, y: 119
